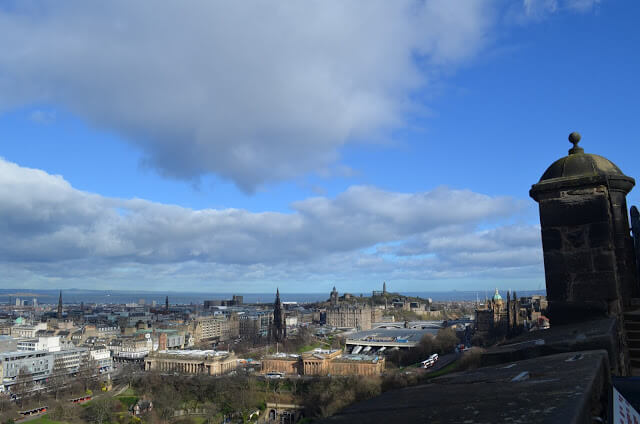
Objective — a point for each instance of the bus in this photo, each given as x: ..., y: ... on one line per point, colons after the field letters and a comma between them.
x: 430, y: 361
x: 35, y: 411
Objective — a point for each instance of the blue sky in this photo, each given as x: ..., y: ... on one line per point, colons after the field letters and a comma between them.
x: 242, y: 148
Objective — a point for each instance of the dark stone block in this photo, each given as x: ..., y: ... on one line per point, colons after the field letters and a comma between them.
x: 588, y: 335
x: 564, y: 212
x: 600, y: 235
x: 551, y: 239
x: 604, y: 260
x: 576, y: 237
x: 554, y: 262
x: 561, y: 313
x: 557, y: 285
x: 578, y: 262
x: 594, y: 286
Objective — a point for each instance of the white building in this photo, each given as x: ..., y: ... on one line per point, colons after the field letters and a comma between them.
x: 22, y: 330
x: 49, y: 344
x: 102, y: 356
x: 38, y: 364
x: 70, y: 359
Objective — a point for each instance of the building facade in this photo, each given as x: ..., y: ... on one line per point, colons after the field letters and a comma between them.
x: 321, y: 362
x: 255, y: 324
x: 349, y: 316
x: 209, y: 362
x: 215, y: 327
x: 38, y: 365
x: 499, y: 316
x: 282, y: 362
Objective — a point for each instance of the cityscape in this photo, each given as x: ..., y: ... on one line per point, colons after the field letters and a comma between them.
x: 52, y: 351
x: 418, y: 211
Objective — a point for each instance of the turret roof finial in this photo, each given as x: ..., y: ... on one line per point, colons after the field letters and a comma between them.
x: 574, y: 138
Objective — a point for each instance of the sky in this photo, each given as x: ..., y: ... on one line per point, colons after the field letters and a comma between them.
x: 244, y: 146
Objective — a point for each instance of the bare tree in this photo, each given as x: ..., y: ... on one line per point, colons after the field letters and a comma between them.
x: 99, y: 411
x: 58, y: 379
x: 8, y: 410
x: 88, y: 372
x: 24, y: 382
x: 166, y: 402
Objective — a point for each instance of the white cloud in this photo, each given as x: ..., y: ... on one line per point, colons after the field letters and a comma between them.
x: 53, y: 232
x: 253, y: 92
x: 43, y: 117
x: 541, y: 8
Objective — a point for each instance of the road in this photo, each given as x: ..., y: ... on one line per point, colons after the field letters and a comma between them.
x: 443, y: 361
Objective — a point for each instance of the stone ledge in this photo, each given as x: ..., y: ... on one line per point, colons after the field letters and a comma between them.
x: 563, y: 388
x: 588, y: 335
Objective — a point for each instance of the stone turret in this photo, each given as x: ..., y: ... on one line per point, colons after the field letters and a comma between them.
x: 588, y: 252
x: 333, y: 297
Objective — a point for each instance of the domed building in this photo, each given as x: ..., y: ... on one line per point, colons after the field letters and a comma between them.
x: 498, y: 316
x: 497, y: 299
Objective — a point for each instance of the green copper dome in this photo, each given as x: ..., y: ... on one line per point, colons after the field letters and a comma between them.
x: 497, y: 296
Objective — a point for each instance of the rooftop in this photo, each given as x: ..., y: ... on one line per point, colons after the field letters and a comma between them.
x: 284, y: 356
x: 193, y: 353
x: 358, y: 358
x: 390, y: 334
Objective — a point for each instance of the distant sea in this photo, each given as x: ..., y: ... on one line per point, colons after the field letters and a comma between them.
x: 76, y: 296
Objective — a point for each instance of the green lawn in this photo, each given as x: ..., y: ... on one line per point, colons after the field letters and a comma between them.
x: 127, y: 398
x: 128, y: 392
x: 449, y: 368
x: 45, y: 420
x: 307, y: 348
x: 127, y: 401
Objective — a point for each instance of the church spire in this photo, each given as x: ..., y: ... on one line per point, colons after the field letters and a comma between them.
x: 59, y: 315
x: 279, y: 332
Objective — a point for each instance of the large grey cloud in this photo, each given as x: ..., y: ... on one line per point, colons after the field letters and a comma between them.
x: 253, y: 92
x: 51, y: 230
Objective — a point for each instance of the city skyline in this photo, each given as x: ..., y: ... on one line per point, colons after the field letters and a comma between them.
x: 371, y: 147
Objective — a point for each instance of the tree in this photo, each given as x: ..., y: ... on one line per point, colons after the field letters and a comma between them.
x: 87, y: 372
x: 63, y: 411
x: 240, y: 397
x: 165, y: 401
x: 58, y: 379
x: 24, y: 382
x: 338, y: 342
x: 446, y: 340
x: 129, y: 370
x: 8, y: 410
x: 99, y: 411
x: 213, y: 413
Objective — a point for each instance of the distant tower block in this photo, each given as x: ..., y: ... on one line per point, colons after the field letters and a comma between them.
x: 588, y: 252
x: 384, y: 287
x: 166, y: 303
